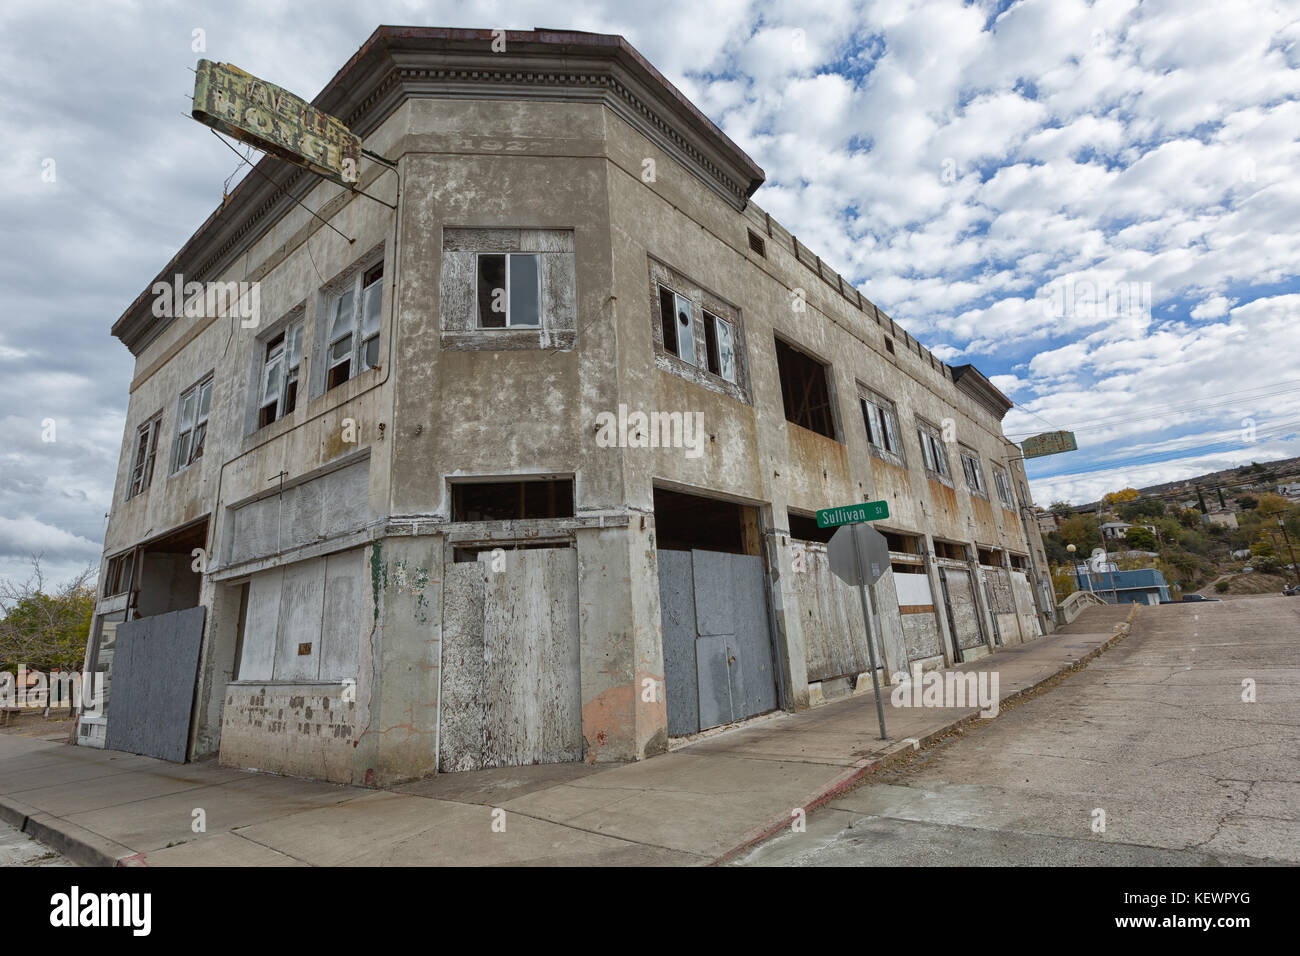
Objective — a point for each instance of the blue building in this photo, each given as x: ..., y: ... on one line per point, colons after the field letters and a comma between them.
x: 1143, y: 586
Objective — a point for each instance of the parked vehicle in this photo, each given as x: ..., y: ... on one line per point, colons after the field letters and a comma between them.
x: 1192, y: 598
x: 1291, y: 590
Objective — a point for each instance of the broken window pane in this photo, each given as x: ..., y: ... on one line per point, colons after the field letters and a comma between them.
x: 685, y: 330
x: 726, y: 351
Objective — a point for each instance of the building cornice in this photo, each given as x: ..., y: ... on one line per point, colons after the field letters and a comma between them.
x: 400, y: 63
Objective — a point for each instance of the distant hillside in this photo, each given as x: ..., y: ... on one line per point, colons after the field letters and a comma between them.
x: 1257, y: 476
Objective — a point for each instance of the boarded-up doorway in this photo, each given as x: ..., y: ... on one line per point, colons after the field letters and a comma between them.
x: 511, y: 691
x: 713, y: 593
x: 155, y: 662
x: 963, y: 611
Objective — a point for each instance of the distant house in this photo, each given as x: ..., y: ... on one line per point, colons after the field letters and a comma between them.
x: 1242, y: 555
x: 1117, y: 530
x: 1047, y: 521
x: 1222, y: 518
x: 1142, y: 586
x: 1290, y: 490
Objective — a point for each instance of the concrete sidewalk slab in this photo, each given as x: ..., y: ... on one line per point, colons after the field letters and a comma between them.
x: 704, y: 802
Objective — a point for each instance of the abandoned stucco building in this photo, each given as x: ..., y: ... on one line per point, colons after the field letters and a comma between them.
x: 437, y: 510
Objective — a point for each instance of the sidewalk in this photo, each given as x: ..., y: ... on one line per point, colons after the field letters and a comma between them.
x: 700, y: 804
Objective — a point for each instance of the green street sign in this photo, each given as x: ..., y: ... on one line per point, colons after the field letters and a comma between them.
x: 851, y: 514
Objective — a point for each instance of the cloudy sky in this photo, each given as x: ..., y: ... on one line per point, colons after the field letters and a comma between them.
x: 1095, y: 203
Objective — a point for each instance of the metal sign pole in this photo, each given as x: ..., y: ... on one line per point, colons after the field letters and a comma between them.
x: 871, y: 644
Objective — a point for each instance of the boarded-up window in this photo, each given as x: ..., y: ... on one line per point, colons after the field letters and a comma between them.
x: 805, y: 390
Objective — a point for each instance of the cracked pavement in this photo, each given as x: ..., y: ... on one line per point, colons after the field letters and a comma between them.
x: 1154, y: 733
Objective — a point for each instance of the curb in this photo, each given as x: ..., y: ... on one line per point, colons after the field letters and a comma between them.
x: 81, y: 846
x: 897, y: 752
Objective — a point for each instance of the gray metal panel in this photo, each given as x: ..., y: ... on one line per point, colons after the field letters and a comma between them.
x: 677, y: 608
x: 155, y: 665
x: 714, y: 600
x: 714, y: 680
x: 753, y: 685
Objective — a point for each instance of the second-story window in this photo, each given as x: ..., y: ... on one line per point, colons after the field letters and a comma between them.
x: 146, y: 449
x: 932, y: 451
x: 353, y: 344
x: 881, y: 421
x: 970, y: 466
x: 191, y: 425
x: 280, y: 375
x: 509, y: 290
x: 1003, y: 483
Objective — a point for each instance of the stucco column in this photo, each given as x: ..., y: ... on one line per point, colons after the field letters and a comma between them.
x: 624, y: 710
x: 399, y: 675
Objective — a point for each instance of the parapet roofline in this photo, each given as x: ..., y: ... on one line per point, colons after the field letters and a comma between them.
x: 399, y: 62
x: 972, y: 381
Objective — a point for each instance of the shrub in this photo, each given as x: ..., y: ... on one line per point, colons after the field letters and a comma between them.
x: 1221, y: 587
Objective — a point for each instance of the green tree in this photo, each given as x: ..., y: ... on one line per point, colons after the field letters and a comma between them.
x: 1140, y: 539
x: 44, y: 630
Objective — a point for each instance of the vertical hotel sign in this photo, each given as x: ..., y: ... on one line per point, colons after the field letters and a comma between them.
x: 275, y: 121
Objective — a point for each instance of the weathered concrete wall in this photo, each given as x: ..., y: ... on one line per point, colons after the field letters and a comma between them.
x: 303, y: 730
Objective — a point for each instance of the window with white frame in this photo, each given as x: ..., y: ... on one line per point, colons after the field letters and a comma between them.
x: 146, y: 449
x: 932, y: 450
x: 970, y: 466
x: 509, y: 290
x: 1003, y: 484
x: 191, y: 425
x: 880, y: 417
x: 353, y: 344
x: 281, y: 371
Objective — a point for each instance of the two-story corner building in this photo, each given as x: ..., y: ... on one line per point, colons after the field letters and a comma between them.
x: 520, y: 459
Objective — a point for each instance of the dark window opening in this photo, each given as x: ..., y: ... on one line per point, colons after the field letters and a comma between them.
x: 685, y: 522
x: 492, y: 291
x: 990, y: 556
x: 953, y: 552
x: 805, y: 390
x: 805, y: 529
x: 711, y: 343
x: 902, y: 543
x: 117, y: 573
x: 889, y: 345
x: 668, y: 319
x: 511, y: 500
x: 166, y: 578
x: 901, y: 568
x: 1019, y: 562
x: 757, y: 244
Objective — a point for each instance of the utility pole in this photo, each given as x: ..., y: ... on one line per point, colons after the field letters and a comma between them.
x: 1281, y: 523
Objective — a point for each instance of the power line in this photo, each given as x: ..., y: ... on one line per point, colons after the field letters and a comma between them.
x: 1282, y: 388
